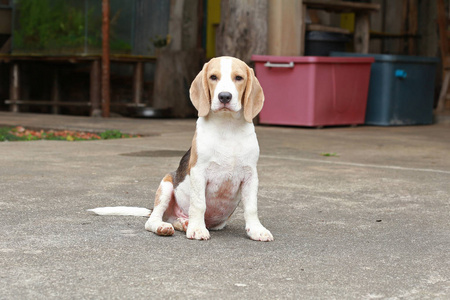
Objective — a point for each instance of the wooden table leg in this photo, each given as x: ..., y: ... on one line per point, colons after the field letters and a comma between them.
x: 362, y: 32
x: 138, y: 79
x: 95, y: 89
x: 443, y: 94
x: 302, y: 29
x: 14, y: 90
x: 55, y: 92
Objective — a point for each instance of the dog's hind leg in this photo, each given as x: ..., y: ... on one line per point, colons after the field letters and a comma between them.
x: 164, y: 195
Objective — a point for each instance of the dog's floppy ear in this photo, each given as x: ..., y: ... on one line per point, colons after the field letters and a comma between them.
x: 199, y: 93
x: 253, y: 97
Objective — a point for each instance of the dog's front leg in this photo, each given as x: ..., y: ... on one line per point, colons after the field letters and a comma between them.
x: 255, y: 230
x: 197, y: 207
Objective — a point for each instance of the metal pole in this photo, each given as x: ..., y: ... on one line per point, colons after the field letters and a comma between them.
x: 105, y: 59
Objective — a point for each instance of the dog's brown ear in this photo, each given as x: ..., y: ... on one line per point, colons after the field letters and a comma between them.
x: 199, y: 93
x: 253, y: 97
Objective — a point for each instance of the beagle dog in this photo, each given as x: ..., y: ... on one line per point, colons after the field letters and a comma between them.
x: 219, y: 170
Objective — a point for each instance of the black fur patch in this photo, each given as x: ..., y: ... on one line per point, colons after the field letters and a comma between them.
x: 180, y: 174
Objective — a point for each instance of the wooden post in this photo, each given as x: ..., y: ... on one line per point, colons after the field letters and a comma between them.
x: 286, y: 28
x: 243, y: 28
x: 443, y: 94
x: 95, y: 93
x: 137, y: 82
x: 14, y: 90
x: 412, y: 26
x: 362, y: 32
x: 176, y: 24
x: 55, y: 92
x: 105, y: 59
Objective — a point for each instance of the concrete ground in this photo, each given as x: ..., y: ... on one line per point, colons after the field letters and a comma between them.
x: 372, y: 222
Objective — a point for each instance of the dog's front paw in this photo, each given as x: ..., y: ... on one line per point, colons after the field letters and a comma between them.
x: 259, y: 233
x: 197, y: 233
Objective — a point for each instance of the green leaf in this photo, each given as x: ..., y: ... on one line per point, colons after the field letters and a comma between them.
x: 329, y: 154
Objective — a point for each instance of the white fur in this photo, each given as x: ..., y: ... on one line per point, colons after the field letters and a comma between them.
x: 122, y: 211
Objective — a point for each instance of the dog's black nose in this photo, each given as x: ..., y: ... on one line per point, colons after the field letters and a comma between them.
x: 224, y: 97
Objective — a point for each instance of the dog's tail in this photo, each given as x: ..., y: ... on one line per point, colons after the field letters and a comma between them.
x: 122, y: 211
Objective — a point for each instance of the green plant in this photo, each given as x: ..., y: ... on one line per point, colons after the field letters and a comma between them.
x: 329, y: 154
x: 20, y: 133
x: 111, y: 134
x: 59, y: 26
x: 160, y: 42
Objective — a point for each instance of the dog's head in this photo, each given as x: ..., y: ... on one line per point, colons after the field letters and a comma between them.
x: 227, y: 84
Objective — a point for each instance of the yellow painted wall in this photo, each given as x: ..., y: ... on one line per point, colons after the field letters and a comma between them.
x: 212, y: 21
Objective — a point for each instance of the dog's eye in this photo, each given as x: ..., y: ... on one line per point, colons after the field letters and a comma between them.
x: 213, y: 77
x: 239, y: 78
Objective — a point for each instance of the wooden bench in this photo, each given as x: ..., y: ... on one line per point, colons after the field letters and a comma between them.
x: 95, y: 81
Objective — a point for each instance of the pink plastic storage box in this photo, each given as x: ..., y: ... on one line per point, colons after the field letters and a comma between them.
x: 313, y: 90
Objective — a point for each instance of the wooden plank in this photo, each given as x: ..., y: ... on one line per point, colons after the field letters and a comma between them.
x: 341, y: 6
x: 33, y: 57
x: 412, y: 27
x: 443, y: 39
x: 105, y: 59
x: 14, y: 87
x: 444, y: 90
x: 286, y: 27
x: 94, y: 88
x: 121, y: 58
x: 46, y: 102
x: 362, y: 32
x: 302, y: 20
x: 176, y: 24
x: 65, y: 103
x: 138, y: 79
x: 55, y: 92
x: 381, y: 35
x: 320, y: 27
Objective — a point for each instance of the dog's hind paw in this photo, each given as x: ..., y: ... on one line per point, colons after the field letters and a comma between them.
x: 165, y: 229
x: 160, y: 228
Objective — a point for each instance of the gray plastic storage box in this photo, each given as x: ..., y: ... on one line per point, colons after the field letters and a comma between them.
x: 401, y: 89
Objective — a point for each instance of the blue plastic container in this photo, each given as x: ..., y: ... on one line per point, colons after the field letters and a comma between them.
x: 401, y: 89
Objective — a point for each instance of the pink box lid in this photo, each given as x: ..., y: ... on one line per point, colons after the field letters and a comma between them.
x: 310, y: 59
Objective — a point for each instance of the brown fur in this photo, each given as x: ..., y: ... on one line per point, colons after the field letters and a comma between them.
x: 165, y: 231
x: 199, y: 92
x: 157, y: 196
x: 253, y: 98
x: 193, y: 156
x: 168, y: 178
